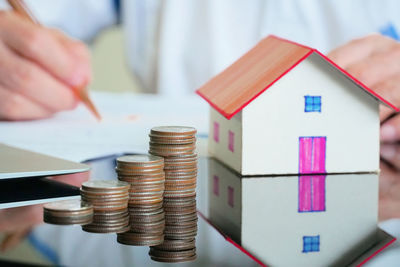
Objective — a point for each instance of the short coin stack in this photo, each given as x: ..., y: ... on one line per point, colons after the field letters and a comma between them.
x: 68, y: 212
x: 177, y: 145
x: 146, y: 176
x: 109, y: 199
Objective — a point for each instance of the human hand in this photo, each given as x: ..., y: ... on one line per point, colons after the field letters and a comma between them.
x: 375, y: 61
x: 16, y: 223
x: 38, y: 68
x: 389, y: 182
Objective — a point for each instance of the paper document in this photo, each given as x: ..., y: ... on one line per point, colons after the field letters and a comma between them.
x: 127, y: 119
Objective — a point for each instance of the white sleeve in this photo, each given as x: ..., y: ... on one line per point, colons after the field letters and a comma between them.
x: 77, y: 18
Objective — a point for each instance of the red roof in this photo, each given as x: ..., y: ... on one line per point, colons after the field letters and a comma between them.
x: 234, y: 88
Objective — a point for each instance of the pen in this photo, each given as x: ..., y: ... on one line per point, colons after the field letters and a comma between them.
x: 21, y: 8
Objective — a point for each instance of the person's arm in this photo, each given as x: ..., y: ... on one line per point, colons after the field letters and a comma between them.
x: 375, y: 61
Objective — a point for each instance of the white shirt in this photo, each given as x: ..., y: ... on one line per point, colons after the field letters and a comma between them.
x: 174, y: 46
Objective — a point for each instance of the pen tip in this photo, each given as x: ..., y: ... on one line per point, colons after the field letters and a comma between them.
x: 84, y: 97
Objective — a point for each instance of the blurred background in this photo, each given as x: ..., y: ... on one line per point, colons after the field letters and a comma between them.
x: 110, y: 70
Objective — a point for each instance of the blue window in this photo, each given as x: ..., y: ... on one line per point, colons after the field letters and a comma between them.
x: 312, y: 103
x: 310, y: 244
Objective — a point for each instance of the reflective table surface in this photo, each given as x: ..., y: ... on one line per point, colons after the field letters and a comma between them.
x: 258, y: 221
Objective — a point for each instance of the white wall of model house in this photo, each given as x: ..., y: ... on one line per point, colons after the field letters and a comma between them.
x: 346, y: 229
x: 219, y: 147
x: 262, y: 215
x: 267, y: 131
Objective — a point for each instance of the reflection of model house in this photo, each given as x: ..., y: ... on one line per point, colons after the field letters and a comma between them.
x: 284, y: 108
x: 263, y: 215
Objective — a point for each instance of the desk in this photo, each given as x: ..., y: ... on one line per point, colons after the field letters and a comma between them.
x: 70, y: 246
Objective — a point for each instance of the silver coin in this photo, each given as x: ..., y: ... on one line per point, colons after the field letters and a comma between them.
x: 140, y: 159
x: 112, y: 214
x: 105, y: 199
x: 173, y: 260
x: 127, y: 240
x: 139, y: 201
x: 172, y: 141
x: 102, y: 218
x: 140, y: 172
x: 148, y: 213
x: 104, y: 230
x: 67, y: 221
x: 167, y: 153
x: 106, y: 185
x: 110, y: 207
x: 111, y: 223
x: 172, y: 146
x: 68, y: 205
x: 99, y: 193
x: 171, y: 130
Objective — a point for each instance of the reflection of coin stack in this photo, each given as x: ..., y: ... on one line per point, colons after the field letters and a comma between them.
x: 177, y: 145
x: 109, y: 199
x: 68, y: 212
x: 146, y: 175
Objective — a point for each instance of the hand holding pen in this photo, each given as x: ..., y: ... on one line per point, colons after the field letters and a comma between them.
x: 42, y: 71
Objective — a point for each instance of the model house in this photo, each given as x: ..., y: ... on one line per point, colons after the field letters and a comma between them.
x: 283, y: 221
x: 283, y: 108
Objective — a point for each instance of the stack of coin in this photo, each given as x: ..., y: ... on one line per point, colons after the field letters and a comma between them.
x: 68, y: 212
x: 146, y: 176
x: 109, y: 199
x: 177, y: 145
x: 180, y: 231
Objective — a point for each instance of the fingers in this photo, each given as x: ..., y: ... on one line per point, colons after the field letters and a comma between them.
x: 359, y: 49
x: 385, y: 112
x: 38, y: 69
x: 14, y: 219
x: 21, y: 76
x: 390, y: 130
x: 389, y: 189
x: 75, y: 179
x: 375, y: 61
x: 391, y: 154
x: 39, y: 45
x: 389, y: 87
x: 14, y: 106
x: 377, y: 67
x: 78, y: 50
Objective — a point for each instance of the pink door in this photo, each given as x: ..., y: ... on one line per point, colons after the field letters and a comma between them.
x: 312, y: 193
x: 312, y: 155
x: 311, y: 161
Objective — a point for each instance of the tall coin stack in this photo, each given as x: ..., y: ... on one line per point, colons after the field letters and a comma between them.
x: 177, y: 144
x: 145, y: 174
x: 109, y: 199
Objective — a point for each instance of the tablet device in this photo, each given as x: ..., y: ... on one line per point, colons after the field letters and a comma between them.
x: 19, y: 163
